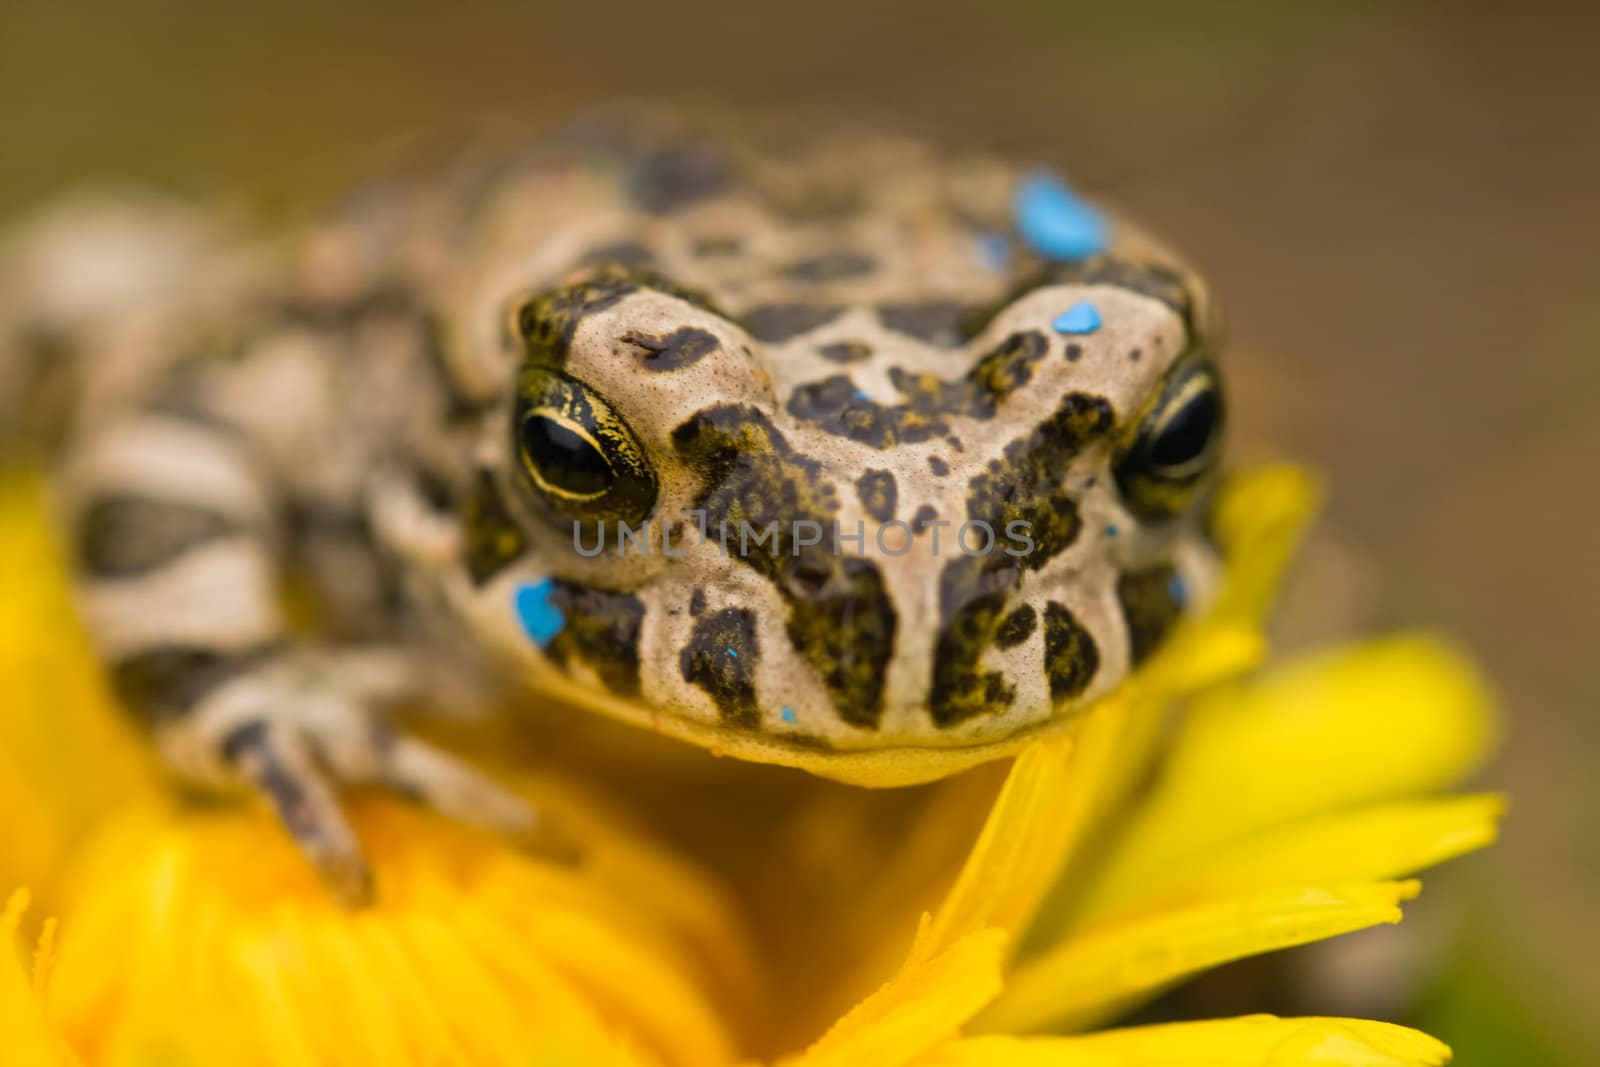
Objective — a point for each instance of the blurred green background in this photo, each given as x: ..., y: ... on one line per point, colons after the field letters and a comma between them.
x: 1397, y: 204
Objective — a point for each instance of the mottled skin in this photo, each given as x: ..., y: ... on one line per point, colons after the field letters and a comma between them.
x: 422, y: 407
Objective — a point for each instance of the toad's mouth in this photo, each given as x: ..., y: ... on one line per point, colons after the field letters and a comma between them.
x: 879, y: 761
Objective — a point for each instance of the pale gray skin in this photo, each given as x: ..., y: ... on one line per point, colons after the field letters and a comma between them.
x: 342, y: 407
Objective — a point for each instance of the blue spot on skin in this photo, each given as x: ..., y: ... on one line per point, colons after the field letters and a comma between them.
x: 1178, y: 590
x: 734, y: 653
x: 541, y: 620
x: 1079, y: 318
x: 1111, y: 531
x: 789, y: 716
x: 860, y: 395
x: 1055, y: 222
x: 994, y: 251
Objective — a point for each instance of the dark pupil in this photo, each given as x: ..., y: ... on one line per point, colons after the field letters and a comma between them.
x: 1186, y: 435
x: 565, y: 460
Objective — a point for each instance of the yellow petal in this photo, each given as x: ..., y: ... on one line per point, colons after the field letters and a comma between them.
x: 1102, y: 970
x: 27, y: 1039
x: 1371, y: 843
x: 1251, y: 1041
x: 1036, y: 815
x: 1056, y: 793
x: 472, y: 954
x: 55, y: 716
x: 1259, y: 519
x: 1388, y: 719
x: 923, y: 1005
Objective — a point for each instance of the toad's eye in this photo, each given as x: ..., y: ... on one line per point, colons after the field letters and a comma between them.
x: 1176, y: 444
x: 564, y: 460
x: 580, y: 459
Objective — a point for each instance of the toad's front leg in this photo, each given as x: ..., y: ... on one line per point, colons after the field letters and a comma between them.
x: 179, y: 552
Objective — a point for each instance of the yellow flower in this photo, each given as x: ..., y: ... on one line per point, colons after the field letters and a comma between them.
x: 1290, y: 805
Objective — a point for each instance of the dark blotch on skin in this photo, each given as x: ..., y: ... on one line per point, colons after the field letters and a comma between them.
x: 1150, y: 608
x: 840, y: 618
x: 717, y: 246
x: 675, y: 178
x: 120, y: 536
x: 602, y: 629
x: 1071, y: 658
x: 697, y: 601
x: 1016, y: 627
x: 925, y: 516
x: 937, y: 322
x: 721, y: 658
x: 248, y: 737
x: 878, y: 494
x: 1022, y: 485
x: 547, y: 322
x: 436, y: 489
x: 777, y: 323
x: 253, y: 751
x: 678, y: 349
x: 249, y: 747
x: 846, y: 352
x: 830, y: 267
x: 343, y: 568
x: 630, y: 255
x: 162, y: 683
x: 1005, y: 369
x: 493, y: 538
x: 938, y: 466
x: 832, y: 404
